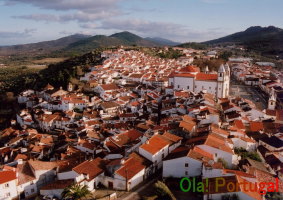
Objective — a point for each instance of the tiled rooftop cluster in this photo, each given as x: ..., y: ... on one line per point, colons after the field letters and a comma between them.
x: 135, y: 125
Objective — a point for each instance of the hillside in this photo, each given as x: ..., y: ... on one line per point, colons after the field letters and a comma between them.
x: 77, y: 45
x: 101, y: 41
x: 41, y: 47
x: 97, y: 41
x: 131, y: 39
x: 265, y: 40
x: 162, y: 41
x: 193, y: 45
x: 17, y: 79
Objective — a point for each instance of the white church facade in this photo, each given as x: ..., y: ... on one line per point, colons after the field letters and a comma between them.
x: 191, y: 79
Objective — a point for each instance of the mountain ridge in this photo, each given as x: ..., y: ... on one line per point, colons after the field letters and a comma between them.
x: 265, y: 40
x: 41, y: 47
x: 79, y: 43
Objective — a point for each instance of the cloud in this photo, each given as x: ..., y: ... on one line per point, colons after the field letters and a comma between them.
x: 38, y: 17
x: 17, y: 34
x: 89, y: 26
x: 86, y: 5
x: 145, y: 28
x: 66, y: 33
x: 106, y: 16
x: 78, y: 16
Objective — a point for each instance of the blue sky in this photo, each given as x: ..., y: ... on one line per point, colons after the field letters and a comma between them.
x: 25, y: 21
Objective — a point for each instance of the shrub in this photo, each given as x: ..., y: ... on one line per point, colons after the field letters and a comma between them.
x: 163, y: 192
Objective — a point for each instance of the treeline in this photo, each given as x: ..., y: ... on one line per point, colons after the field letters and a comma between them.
x: 170, y: 54
x: 194, y: 45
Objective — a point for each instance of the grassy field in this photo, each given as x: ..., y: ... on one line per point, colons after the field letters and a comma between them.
x: 48, y: 60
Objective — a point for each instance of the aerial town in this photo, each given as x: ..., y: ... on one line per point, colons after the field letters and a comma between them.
x: 150, y: 119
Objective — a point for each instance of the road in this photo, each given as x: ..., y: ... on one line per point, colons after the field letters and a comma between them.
x: 134, y: 195
x: 252, y: 93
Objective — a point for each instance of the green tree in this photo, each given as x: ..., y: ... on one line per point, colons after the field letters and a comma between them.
x: 225, y: 55
x: 76, y: 192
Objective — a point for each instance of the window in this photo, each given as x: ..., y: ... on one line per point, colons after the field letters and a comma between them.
x: 8, y: 194
x: 220, y: 74
x: 32, y: 190
x: 202, y: 87
x: 186, y: 164
x: 195, y: 86
x: 210, y: 88
x: 162, y: 155
x: 178, y: 86
x: 186, y: 173
x: 188, y: 87
x: 7, y: 185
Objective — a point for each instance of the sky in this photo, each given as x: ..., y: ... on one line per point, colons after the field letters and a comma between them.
x: 27, y: 21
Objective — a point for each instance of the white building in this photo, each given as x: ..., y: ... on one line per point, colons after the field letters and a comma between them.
x: 158, y: 147
x: 195, y: 81
x: 8, y: 185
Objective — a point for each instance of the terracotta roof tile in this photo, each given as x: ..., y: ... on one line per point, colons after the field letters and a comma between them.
x: 155, y: 144
x: 6, y: 176
x: 256, y: 126
x: 132, y: 166
x: 92, y: 168
x: 206, y: 77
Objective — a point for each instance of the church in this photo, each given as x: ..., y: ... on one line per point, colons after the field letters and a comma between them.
x: 190, y: 78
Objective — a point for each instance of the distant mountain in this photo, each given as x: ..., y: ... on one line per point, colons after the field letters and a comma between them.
x: 117, y: 39
x: 93, y: 42
x: 132, y: 39
x: 80, y: 44
x: 266, y: 40
x: 162, y: 41
x: 41, y: 47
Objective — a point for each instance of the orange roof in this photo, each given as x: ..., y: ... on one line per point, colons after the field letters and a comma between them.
x: 126, y: 137
x: 155, y: 144
x: 190, y: 68
x: 256, y: 126
x: 187, y: 125
x: 200, y: 153
x: 6, y: 176
x: 109, y: 86
x: 239, y: 124
x: 218, y: 142
x: 184, y: 75
x: 172, y: 137
x: 133, y: 165
x: 59, y: 184
x: 91, y: 168
x: 217, y: 130
x: 206, y: 77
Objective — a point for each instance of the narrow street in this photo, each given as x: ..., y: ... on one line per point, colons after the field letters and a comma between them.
x: 134, y: 195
